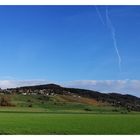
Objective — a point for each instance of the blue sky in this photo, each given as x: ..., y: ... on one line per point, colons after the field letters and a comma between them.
x: 69, y: 43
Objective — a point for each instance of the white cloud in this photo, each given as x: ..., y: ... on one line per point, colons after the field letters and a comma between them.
x: 119, y: 86
x: 18, y: 83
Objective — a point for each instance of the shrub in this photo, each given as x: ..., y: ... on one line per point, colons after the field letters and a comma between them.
x: 124, y: 112
x: 30, y: 105
x: 40, y: 98
x: 42, y: 102
x: 88, y: 109
x: 5, y: 101
x: 29, y: 100
x: 115, y: 110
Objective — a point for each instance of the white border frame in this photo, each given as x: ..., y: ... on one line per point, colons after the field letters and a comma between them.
x: 69, y: 2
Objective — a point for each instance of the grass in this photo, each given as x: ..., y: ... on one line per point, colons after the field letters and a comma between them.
x: 59, y: 103
x: 48, y: 123
x: 65, y: 115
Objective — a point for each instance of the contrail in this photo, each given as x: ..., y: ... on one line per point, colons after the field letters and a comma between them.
x: 112, y: 30
x: 99, y: 15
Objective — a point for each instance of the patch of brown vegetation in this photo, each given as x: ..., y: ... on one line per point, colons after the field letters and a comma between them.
x: 79, y: 99
x: 6, y: 101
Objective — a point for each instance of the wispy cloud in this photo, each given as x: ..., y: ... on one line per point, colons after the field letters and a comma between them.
x: 99, y: 15
x: 113, y: 34
x: 111, y: 28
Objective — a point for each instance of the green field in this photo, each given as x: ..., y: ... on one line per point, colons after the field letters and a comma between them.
x: 52, y: 123
x: 65, y: 115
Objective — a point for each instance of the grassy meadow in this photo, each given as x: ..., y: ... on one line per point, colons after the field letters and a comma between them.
x: 65, y: 115
x: 50, y: 123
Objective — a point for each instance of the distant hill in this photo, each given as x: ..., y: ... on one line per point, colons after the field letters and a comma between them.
x: 40, y: 87
x: 114, y: 99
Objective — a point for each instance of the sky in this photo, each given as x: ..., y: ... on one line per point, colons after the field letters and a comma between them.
x: 70, y: 44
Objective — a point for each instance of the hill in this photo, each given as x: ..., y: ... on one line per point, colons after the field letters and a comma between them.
x: 65, y: 95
